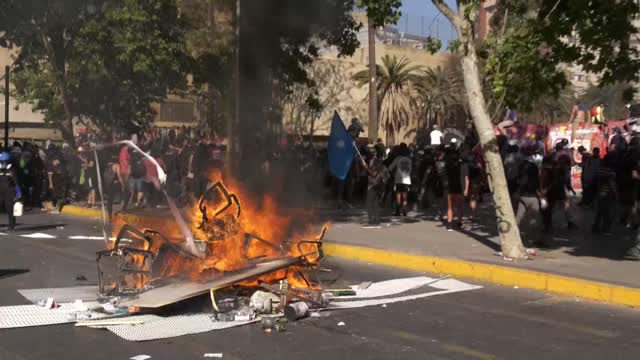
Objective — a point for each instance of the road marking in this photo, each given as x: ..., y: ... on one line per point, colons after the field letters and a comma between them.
x: 81, y: 237
x: 467, y: 351
x: 38, y: 236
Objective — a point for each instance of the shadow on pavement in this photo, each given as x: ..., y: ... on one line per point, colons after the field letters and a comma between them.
x: 5, y: 273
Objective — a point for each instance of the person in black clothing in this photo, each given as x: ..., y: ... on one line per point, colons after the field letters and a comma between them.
x: 58, y: 183
x: 454, y: 181
x: 606, y: 194
x: 556, y: 183
x: 8, y: 186
x: 113, y: 184
x: 529, y: 193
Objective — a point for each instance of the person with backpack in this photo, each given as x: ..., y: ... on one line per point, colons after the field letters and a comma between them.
x: 401, y: 167
x: 136, y: 179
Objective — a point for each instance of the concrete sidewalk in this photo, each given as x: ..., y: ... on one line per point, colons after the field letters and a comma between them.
x: 579, y: 254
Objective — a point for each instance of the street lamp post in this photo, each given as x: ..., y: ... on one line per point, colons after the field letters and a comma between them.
x: 6, y: 106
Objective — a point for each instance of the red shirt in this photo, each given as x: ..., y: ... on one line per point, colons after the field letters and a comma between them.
x: 124, y: 159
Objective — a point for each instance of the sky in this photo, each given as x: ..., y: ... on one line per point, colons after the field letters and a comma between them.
x: 420, y: 17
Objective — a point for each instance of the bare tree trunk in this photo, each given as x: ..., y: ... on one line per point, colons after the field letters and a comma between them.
x: 507, y: 226
x: 373, y: 95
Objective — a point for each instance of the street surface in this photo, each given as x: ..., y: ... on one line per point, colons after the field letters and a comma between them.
x: 489, y: 323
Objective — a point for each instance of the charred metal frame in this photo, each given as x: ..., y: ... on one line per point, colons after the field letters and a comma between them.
x: 230, y: 198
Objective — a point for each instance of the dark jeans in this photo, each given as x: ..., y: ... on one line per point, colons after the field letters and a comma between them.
x: 604, y: 212
x: 373, y: 206
x: 6, y: 202
x: 111, y: 192
x: 548, y: 212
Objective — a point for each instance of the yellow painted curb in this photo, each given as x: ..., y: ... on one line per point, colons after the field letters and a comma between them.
x: 80, y: 211
x: 496, y: 274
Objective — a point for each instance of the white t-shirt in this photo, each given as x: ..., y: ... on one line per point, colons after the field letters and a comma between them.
x: 436, y: 137
x: 402, y: 167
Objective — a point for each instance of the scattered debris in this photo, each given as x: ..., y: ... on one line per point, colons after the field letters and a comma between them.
x: 81, y: 277
x: 60, y: 227
x: 364, y: 285
x: 384, y: 305
x: 341, y: 324
x: 341, y: 292
x: 80, y: 305
x: 140, y: 357
x: 296, y: 311
x: 214, y: 355
x: 50, y: 303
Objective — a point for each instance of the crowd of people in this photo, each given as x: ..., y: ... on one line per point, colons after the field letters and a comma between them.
x: 442, y: 179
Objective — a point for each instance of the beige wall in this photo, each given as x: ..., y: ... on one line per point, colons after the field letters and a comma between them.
x: 339, y: 92
x: 17, y: 112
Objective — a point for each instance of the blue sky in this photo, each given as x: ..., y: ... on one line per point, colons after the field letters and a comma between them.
x: 422, y: 18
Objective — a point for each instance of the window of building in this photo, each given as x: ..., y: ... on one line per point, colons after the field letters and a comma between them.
x: 177, y: 111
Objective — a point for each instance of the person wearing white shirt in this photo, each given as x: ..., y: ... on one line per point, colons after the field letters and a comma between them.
x: 436, y: 136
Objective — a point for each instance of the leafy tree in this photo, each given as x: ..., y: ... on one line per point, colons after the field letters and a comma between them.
x: 441, y: 91
x: 395, y: 77
x: 602, y: 31
x: 210, y: 40
x: 379, y: 13
x: 106, y: 63
x: 45, y: 31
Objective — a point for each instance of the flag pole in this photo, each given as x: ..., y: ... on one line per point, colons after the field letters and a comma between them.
x: 358, y: 151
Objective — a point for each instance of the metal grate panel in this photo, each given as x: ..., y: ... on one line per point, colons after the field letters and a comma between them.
x: 34, y: 315
x: 61, y: 295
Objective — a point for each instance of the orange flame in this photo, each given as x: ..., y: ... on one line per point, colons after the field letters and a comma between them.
x: 224, y: 236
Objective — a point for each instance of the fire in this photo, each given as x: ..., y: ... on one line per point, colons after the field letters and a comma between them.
x: 234, y: 228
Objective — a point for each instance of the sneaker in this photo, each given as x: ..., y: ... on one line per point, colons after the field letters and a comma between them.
x: 449, y: 227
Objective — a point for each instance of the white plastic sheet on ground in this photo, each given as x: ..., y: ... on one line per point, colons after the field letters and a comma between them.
x: 156, y: 327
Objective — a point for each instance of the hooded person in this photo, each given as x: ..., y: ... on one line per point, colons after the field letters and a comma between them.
x: 9, y: 190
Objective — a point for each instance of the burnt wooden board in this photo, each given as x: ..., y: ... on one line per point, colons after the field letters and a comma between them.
x: 185, y: 289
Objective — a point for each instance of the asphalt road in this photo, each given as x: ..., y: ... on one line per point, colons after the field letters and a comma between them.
x: 489, y: 323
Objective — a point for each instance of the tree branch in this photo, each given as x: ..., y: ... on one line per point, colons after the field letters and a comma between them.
x: 447, y: 11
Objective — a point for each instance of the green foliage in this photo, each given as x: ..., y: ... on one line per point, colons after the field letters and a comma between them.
x: 441, y: 91
x: 394, y: 78
x: 517, y: 72
x: 454, y: 46
x: 105, y: 61
x: 433, y: 45
x: 382, y: 12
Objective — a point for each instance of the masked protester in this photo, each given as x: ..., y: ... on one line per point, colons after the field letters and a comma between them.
x: 9, y: 190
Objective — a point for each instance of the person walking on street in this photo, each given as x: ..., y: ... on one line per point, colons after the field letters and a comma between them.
x: 114, y: 184
x: 529, y: 196
x: 57, y: 184
x: 9, y: 189
x: 401, y: 167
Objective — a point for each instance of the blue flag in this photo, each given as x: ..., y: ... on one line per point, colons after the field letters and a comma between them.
x: 340, y: 149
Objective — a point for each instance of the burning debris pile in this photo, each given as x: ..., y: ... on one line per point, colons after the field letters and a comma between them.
x: 239, y: 251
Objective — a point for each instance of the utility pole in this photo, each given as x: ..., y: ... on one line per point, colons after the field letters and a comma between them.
x: 232, y: 123
x: 7, y: 69
x: 373, y: 88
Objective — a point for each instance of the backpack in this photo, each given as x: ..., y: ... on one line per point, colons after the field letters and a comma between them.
x: 138, y: 169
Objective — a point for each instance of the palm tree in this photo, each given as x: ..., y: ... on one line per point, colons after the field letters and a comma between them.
x: 441, y: 91
x: 394, y: 80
